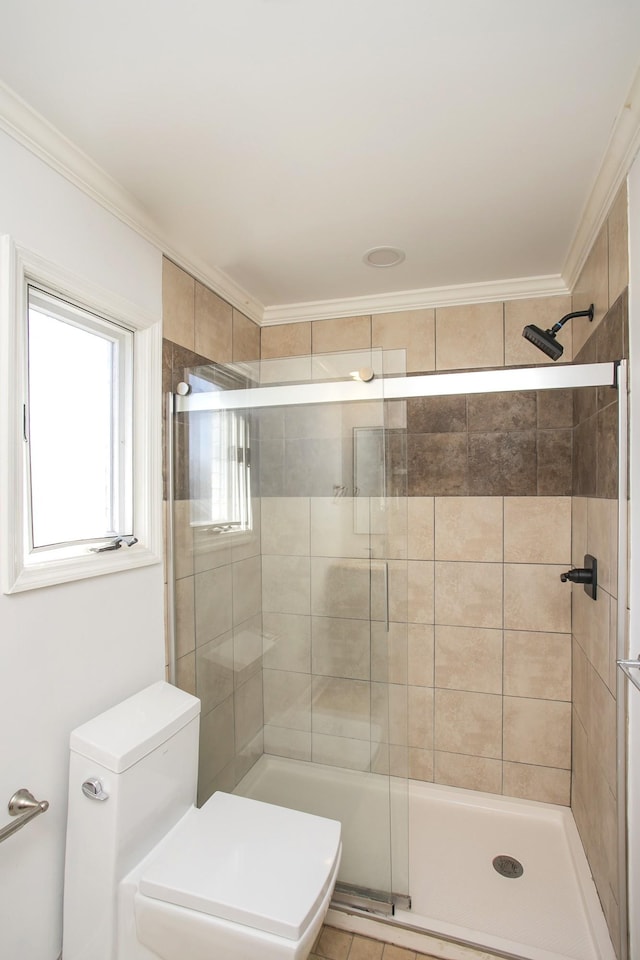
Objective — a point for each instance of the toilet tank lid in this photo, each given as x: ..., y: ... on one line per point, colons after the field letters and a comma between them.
x: 126, y: 733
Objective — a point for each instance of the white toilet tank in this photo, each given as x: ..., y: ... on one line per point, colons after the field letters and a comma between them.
x: 143, y: 754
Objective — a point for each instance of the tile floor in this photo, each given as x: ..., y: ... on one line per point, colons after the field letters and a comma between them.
x: 335, y: 944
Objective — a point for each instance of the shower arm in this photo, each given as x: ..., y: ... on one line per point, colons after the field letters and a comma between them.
x: 569, y: 316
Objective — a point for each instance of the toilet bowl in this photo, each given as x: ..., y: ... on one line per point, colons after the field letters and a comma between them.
x: 149, y: 875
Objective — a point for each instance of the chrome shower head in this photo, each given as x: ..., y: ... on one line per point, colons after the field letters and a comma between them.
x: 545, y: 340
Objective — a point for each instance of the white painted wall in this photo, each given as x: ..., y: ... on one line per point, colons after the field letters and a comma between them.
x: 69, y: 651
x: 634, y: 577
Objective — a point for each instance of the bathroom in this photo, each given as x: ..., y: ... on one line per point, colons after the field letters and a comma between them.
x: 62, y: 667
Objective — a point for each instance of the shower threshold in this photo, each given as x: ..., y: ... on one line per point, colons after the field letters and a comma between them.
x: 459, y: 901
x: 349, y: 896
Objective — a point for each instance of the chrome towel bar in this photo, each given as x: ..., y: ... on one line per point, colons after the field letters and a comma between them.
x: 627, y: 666
x: 23, y: 805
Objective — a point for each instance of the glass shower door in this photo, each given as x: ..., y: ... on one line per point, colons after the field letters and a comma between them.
x: 298, y: 663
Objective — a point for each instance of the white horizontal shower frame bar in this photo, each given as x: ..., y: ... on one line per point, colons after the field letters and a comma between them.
x: 402, y: 388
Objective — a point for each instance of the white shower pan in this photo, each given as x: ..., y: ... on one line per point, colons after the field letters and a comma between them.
x: 551, y: 912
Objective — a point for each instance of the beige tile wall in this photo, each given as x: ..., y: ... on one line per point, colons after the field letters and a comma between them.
x: 604, y: 277
x: 411, y: 330
x: 285, y: 340
x: 593, y: 797
x: 605, y: 273
x: 445, y: 338
x: 197, y: 318
x: 218, y: 586
x: 219, y: 646
x: 471, y: 686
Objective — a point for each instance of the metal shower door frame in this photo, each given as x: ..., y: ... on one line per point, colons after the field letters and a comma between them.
x: 622, y: 645
x: 503, y: 380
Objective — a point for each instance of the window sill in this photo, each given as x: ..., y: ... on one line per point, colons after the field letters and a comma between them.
x: 49, y: 573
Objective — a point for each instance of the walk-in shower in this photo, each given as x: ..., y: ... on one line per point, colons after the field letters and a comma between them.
x: 373, y: 569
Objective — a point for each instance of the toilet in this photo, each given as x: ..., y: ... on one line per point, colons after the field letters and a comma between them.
x: 149, y: 875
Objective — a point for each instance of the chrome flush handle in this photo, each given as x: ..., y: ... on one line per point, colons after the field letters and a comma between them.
x: 92, y: 788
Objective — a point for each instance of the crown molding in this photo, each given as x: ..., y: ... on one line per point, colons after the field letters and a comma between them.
x: 33, y: 131
x: 623, y: 146
x: 429, y: 297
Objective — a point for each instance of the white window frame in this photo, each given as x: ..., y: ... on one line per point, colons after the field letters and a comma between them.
x: 122, y: 339
x: 21, y: 568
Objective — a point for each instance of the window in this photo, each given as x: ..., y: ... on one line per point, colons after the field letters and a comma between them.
x: 77, y: 417
x: 79, y: 443
x: 219, y: 461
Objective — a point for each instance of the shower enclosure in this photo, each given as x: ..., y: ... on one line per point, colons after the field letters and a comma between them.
x: 374, y: 565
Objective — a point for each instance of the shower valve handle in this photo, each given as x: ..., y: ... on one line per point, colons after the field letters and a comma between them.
x: 578, y: 575
x: 587, y: 575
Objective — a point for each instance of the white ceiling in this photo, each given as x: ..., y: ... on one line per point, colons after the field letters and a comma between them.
x: 278, y: 140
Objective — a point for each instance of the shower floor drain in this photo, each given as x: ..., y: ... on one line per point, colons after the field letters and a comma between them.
x: 508, y: 867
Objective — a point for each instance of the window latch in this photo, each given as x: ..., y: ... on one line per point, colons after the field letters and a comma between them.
x: 115, y: 544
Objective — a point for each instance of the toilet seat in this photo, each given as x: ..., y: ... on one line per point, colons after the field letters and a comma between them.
x: 247, y: 862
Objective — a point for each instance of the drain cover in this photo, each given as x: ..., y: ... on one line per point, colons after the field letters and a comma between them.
x: 508, y: 867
